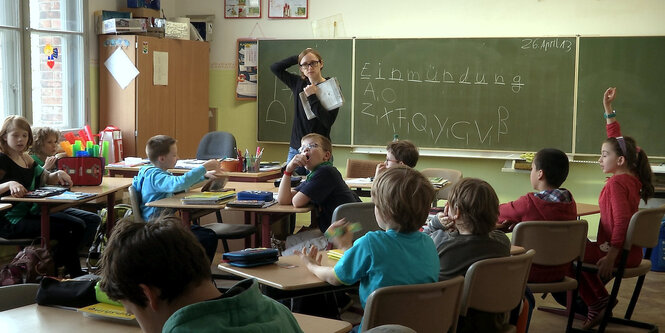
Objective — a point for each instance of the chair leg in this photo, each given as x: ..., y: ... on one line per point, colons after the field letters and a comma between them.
x: 636, y: 295
x: 613, y: 296
x: 219, y: 216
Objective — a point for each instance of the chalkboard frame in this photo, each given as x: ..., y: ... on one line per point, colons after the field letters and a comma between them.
x: 583, y: 101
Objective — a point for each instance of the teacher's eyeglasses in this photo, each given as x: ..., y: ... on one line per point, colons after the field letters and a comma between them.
x: 310, y: 64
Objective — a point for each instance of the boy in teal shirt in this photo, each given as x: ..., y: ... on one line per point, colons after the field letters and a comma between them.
x: 402, y: 254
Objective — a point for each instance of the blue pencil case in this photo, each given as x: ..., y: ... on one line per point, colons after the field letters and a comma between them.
x: 255, y: 195
x: 251, y: 257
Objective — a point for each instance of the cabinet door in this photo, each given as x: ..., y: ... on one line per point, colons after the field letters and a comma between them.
x: 117, y: 105
x: 191, y: 117
x: 155, y: 103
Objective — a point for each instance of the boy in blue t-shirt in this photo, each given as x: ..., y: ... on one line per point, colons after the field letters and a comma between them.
x: 155, y: 182
x: 401, y: 255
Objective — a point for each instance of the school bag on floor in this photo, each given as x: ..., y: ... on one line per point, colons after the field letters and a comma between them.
x: 99, y: 242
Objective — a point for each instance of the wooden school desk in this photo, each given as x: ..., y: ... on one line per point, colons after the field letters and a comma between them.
x: 107, y: 188
x: 116, y: 171
x: 264, y: 216
x: 287, y: 278
x: 586, y: 209
x: 37, y: 318
x: 363, y: 186
x: 189, y: 212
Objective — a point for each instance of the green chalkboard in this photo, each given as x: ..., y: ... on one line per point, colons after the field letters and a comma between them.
x: 495, y: 94
x: 636, y: 66
x: 275, y: 100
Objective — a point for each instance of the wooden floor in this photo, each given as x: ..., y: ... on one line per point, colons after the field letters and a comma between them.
x: 650, y: 307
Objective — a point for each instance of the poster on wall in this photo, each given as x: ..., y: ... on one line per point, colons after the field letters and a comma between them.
x: 288, y: 9
x: 247, y: 63
x: 242, y: 8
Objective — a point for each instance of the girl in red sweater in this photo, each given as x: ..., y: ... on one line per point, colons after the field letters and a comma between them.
x: 619, y: 200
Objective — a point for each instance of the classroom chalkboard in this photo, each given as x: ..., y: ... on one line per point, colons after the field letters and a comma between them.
x: 496, y: 94
x: 275, y: 100
x: 635, y: 65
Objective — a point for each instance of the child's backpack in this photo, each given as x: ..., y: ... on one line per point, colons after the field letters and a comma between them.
x: 99, y: 242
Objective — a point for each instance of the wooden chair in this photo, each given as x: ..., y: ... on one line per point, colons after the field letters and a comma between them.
x: 360, y: 168
x: 643, y: 231
x: 556, y: 243
x: 360, y: 212
x: 18, y: 295
x: 496, y: 285
x: 429, y: 307
x: 223, y: 231
x: 452, y: 175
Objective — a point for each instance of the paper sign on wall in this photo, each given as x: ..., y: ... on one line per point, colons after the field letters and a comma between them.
x: 160, y: 68
x: 121, y: 68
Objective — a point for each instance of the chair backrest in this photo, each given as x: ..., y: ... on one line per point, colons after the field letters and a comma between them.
x: 452, y: 175
x: 555, y: 242
x: 643, y: 229
x: 497, y: 284
x: 18, y: 295
x: 429, y: 307
x: 360, y: 212
x: 135, y: 201
x: 360, y: 168
x: 217, y: 144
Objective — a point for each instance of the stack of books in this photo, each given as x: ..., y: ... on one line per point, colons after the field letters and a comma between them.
x: 438, y: 182
x: 207, y: 198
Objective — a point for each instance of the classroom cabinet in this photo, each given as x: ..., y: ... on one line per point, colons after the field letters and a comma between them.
x: 168, y: 96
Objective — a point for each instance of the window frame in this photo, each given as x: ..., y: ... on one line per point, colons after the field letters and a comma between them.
x: 26, y: 68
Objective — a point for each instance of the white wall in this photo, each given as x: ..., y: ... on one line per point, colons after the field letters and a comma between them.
x: 436, y: 18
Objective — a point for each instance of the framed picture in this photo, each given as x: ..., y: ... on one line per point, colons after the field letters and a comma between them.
x: 247, y: 65
x: 288, y: 9
x: 242, y: 8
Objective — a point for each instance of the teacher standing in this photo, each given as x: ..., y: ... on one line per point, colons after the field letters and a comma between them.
x: 310, y: 63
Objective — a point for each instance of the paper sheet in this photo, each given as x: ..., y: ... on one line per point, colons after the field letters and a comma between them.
x: 160, y: 68
x: 121, y: 68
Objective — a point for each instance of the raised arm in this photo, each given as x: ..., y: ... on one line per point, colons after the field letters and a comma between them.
x: 280, y: 70
x: 608, y: 98
x: 612, y: 127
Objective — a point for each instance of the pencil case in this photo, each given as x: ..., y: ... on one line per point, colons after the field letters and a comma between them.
x: 83, y: 170
x: 255, y: 195
x: 251, y: 257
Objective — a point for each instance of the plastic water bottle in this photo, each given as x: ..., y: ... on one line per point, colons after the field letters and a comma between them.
x: 395, y: 137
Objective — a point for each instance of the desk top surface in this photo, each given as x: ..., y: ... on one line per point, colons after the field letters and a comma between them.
x: 35, y: 318
x: 108, y: 185
x: 174, y: 201
x: 290, y: 273
x: 260, y: 174
x: 587, y: 209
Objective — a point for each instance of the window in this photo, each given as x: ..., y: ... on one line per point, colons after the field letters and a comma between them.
x: 42, y: 61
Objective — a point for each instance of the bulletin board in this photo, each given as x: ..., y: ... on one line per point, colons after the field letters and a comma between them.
x: 247, y: 63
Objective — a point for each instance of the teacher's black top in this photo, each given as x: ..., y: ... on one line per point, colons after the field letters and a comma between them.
x: 301, y: 126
